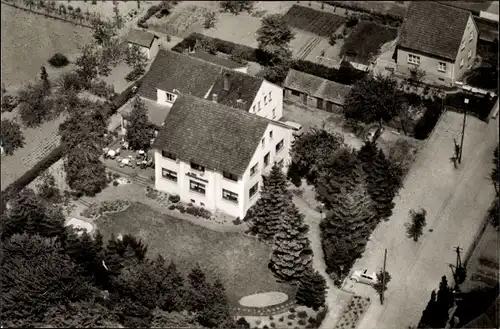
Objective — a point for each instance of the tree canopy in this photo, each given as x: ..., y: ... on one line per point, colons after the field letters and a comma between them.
x: 373, y: 99
x: 139, y: 131
x: 11, y: 137
x: 274, y: 31
x: 312, y: 290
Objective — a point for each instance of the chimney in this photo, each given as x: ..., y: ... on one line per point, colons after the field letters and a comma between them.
x: 239, y: 103
x: 214, y: 98
x: 226, y: 82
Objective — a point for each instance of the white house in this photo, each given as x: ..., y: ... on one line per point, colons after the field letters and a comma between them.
x: 173, y: 73
x: 214, y: 155
x: 147, y: 42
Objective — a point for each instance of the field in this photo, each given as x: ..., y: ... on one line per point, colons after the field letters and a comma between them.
x: 366, y: 40
x: 317, y: 22
x: 239, y: 261
x: 29, y: 40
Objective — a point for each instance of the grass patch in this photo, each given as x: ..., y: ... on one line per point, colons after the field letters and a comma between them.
x: 365, y: 41
x: 239, y: 261
x: 318, y: 22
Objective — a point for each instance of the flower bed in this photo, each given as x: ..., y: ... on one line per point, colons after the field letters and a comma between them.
x: 353, y: 312
x: 96, y: 210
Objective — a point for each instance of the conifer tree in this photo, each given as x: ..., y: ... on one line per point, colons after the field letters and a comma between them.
x: 291, y: 256
x: 173, y: 298
x: 312, y: 290
x: 429, y: 315
x: 139, y: 132
x: 444, y: 302
x: 216, y: 310
x: 269, y: 209
x: 198, y: 289
x: 414, y: 229
x: 349, y: 222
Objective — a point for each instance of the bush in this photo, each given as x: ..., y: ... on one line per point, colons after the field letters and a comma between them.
x: 192, y: 211
x: 302, y: 314
x: 70, y: 81
x: 292, y: 316
x: 302, y: 322
x: 273, y: 325
x: 281, y: 319
x: 174, y: 198
x: 115, y: 183
x: 135, y: 74
x: 101, y: 89
x: 312, y: 319
x: 58, y: 60
x: 428, y: 121
x: 289, y: 323
x: 258, y: 322
x: 171, y: 207
x: 291, y: 310
x: 9, y: 103
x: 238, y: 221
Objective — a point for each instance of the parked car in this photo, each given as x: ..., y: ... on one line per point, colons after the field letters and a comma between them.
x: 363, y: 276
x: 374, y: 133
x: 297, y: 128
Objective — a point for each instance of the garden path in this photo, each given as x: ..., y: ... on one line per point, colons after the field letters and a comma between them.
x: 336, y: 299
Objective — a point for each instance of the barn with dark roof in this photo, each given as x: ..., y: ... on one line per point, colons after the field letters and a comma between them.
x: 438, y: 39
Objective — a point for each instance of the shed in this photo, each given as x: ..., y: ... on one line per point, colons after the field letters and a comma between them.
x: 147, y: 42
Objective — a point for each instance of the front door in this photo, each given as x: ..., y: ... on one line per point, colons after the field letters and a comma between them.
x: 319, y: 103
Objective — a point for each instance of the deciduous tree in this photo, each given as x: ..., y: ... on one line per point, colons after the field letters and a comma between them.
x: 35, y: 106
x: 45, y: 78
x: 47, y: 188
x: 139, y: 131
x: 312, y: 290
x: 381, y: 285
x: 236, y: 7
x: 87, y: 64
x: 274, y: 31
x: 292, y: 255
x: 373, y: 99
x: 274, y: 199
x: 495, y: 177
x: 11, y: 137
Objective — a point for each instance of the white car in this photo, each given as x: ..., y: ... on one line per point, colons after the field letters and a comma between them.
x: 297, y: 128
x: 363, y: 276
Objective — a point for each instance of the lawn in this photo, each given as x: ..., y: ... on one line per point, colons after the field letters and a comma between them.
x: 317, y: 22
x: 29, y: 40
x: 366, y: 40
x: 239, y: 261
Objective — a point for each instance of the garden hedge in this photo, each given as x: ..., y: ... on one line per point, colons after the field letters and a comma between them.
x: 393, y: 20
x: 30, y: 175
x: 345, y: 75
x: 479, y: 106
x: 428, y: 121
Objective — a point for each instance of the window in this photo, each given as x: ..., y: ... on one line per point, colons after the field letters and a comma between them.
x: 266, y: 159
x: 169, y: 174
x: 471, y: 36
x: 197, y: 167
x: 442, y: 66
x: 193, y: 201
x: 229, y: 196
x: 295, y: 93
x: 253, y: 108
x: 461, y: 62
x: 253, y: 189
x: 271, y: 134
x: 254, y: 169
x: 229, y: 176
x: 265, y: 99
x: 170, y: 97
x: 279, y: 146
x: 270, y: 96
x: 168, y: 155
x: 469, y: 54
x: 274, y: 113
x: 197, y: 187
x: 412, y: 59
x: 263, y: 142
x: 259, y: 105
x: 463, y: 44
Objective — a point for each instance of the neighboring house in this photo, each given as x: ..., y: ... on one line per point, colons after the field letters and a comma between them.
x: 315, y: 91
x: 220, y: 61
x: 439, y: 39
x: 173, y: 73
x: 147, y: 42
x: 488, y: 29
x: 214, y: 156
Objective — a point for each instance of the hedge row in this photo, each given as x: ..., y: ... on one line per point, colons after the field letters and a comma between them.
x: 30, y: 175
x: 345, y: 75
x: 394, y: 20
x: 428, y: 121
x: 479, y: 106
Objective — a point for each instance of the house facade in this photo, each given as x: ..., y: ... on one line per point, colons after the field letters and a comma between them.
x: 437, y: 39
x: 172, y: 74
x: 214, y: 156
x: 315, y: 91
x: 147, y: 42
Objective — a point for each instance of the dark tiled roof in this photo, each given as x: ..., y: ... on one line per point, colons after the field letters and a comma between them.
x: 241, y: 86
x: 210, y: 134
x: 140, y: 37
x: 488, y: 29
x: 434, y: 29
x: 171, y: 70
x: 216, y: 60
x: 316, y: 86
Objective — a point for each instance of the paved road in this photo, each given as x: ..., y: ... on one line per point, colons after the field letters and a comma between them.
x: 456, y: 201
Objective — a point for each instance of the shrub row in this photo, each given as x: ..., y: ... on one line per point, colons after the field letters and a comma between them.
x: 390, y: 19
x: 428, y: 121
x: 346, y: 74
x: 30, y: 175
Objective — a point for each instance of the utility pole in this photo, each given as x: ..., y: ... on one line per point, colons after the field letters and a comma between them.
x: 383, y: 279
x: 466, y: 101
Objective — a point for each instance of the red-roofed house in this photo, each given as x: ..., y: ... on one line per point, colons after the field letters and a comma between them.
x: 439, y: 39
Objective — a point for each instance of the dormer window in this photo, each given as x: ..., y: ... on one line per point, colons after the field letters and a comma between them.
x: 168, y: 155
x: 197, y: 167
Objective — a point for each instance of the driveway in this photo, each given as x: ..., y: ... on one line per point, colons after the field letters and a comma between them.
x: 456, y: 201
